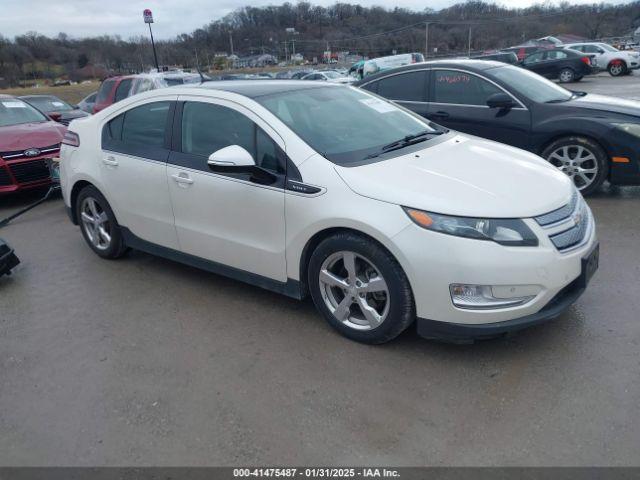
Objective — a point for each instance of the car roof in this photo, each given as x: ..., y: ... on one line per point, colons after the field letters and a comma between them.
x: 474, y: 65
x: 258, y: 88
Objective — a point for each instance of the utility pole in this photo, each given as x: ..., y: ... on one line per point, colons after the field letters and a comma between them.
x: 469, y: 46
x: 426, y: 39
x: 230, y: 42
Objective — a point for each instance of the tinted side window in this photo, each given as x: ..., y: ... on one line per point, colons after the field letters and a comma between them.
x: 372, y: 87
x: 535, y: 58
x: 122, y: 91
x: 145, y: 125
x: 406, y: 86
x: 556, y: 55
x: 105, y: 90
x: 207, y: 128
x: 461, y: 88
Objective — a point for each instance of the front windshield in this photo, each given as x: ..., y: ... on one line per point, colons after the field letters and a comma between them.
x: 344, y: 124
x: 531, y: 85
x: 16, y: 112
x: 49, y: 104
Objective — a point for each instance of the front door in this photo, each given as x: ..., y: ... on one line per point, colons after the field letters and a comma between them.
x: 231, y: 219
x: 458, y: 100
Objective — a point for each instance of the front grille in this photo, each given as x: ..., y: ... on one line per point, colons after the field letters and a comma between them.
x: 34, y: 171
x: 5, y: 179
x: 573, y: 236
x: 19, y: 154
x: 560, y: 214
x: 568, y: 225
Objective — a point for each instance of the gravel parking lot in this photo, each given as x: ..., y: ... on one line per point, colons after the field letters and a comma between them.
x: 143, y: 361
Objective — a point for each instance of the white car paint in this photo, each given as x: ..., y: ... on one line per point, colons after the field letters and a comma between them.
x: 604, y: 54
x: 264, y: 230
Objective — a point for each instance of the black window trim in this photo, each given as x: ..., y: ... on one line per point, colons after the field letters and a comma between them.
x: 432, y: 89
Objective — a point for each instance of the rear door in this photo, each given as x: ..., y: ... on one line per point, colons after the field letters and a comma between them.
x: 408, y: 89
x: 135, y: 148
x: 535, y: 63
x: 458, y: 100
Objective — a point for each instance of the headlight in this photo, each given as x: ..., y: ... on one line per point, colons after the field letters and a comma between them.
x: 511, y: 232
x: 630, y: 128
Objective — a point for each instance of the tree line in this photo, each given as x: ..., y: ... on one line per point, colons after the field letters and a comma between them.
x: 367, y: 31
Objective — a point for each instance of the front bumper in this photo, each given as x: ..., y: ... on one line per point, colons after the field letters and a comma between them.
x: 461, y: 333
x: 24, y: 174
x: 433, y: 261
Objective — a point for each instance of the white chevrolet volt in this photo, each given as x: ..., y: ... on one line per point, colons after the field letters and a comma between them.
x: 309, y: 188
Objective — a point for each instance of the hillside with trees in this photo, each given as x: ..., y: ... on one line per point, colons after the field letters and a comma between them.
x: 368, y: 31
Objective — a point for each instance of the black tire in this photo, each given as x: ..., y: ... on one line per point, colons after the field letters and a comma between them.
x: 116, y: 247
x: 566, y: 75
x: 401, y: 307
x: 598, y: 152
x: 614, y: 71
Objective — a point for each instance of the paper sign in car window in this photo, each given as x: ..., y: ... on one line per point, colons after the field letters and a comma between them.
x: 13, y: 104
x: 57, y: 104
x: 379, y: 105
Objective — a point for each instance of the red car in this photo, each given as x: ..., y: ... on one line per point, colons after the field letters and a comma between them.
x: 27, y: 139
x: 112, y: 90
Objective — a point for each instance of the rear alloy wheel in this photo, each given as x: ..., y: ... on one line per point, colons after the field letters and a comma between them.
x: 581, y: 159
x: 566, y: 75
x: 98, y: 224
x: 360, y: 288
x: 617, y: 69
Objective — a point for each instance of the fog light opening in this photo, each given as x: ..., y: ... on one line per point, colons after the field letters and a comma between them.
x: 481, y: 297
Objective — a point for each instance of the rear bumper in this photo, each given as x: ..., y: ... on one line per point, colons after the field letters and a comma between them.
x: 468, y: 333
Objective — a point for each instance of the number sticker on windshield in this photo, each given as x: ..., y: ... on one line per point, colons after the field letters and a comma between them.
x: 13, y: 104
x: 378, y: 105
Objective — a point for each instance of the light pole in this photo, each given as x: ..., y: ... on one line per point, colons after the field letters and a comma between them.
x: 148, y: 19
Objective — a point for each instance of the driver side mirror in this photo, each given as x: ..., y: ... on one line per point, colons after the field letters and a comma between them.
x: 500, y: 100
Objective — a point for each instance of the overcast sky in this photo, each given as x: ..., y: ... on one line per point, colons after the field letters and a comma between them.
x: 81, y: 18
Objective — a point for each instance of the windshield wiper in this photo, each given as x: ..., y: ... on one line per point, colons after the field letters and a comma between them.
x: 406, y: 141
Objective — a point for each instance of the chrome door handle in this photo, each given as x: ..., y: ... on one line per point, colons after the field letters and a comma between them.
x: 182, y: 178
x: 111, y: 161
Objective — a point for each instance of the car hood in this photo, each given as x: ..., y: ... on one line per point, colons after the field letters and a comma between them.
x: 466, y: 176
x: 606, y: 103
x: 30, y: 135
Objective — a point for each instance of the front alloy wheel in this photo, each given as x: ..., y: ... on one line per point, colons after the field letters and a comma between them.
x: 578, y: 162
x: 360, y: 288
x: 580, y: 158
x: 354, y: 290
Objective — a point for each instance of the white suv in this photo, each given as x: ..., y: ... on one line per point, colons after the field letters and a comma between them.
x: 384, y: 218
x: 606, y: 57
